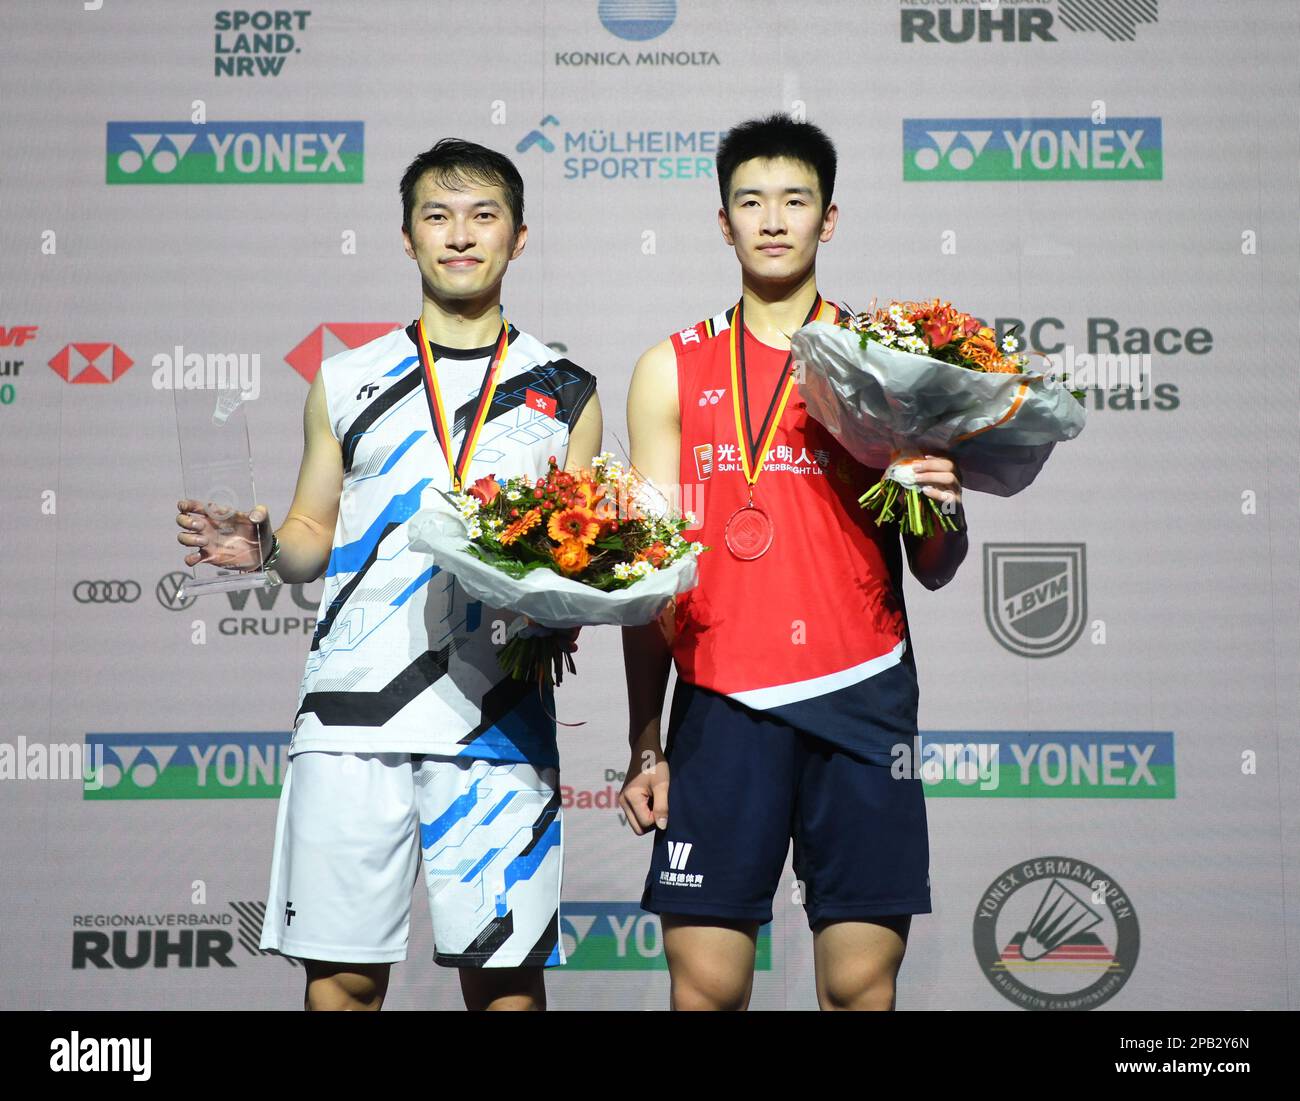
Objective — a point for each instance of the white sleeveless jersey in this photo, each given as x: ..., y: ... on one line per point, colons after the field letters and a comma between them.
x: 402, y: 660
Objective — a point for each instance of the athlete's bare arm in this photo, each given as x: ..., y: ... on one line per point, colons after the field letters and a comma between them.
x: 655, y: 426
x: 307, y: 534
x: 585, y: 436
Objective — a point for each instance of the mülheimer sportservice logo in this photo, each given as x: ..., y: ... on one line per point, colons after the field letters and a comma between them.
x: 1041, y: 149
x: 1055, y: 932
x: 300, y: 152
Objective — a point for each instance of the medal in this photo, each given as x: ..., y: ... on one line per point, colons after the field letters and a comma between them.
x: 442, y: 429
x: 750, y: 530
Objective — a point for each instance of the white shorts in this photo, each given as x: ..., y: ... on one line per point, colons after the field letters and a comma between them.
x: 353, y: 829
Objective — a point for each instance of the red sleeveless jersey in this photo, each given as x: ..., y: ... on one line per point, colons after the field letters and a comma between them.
x: 815, y: 630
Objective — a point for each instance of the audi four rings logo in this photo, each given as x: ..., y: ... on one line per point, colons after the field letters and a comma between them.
x: 106, y: 592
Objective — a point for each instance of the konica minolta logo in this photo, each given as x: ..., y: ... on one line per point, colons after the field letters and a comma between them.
x: 235, y: 152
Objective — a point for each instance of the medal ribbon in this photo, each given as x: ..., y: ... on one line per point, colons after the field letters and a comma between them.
x: 753, y: 456
x: 438, y: 410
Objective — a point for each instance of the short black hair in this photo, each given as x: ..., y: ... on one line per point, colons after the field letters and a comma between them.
x: 777, y: 135
x: 455, y: 163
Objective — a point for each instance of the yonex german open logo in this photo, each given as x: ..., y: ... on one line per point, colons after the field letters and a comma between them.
x: 235, y: 152
x: 1056, y: 933
x: 968, y: 149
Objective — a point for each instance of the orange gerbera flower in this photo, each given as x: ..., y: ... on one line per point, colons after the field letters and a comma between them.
x: 524, y: 524
x: 573, y: 523
x: 571, y: 556
x: 655, y: 554
x: 588, y: 490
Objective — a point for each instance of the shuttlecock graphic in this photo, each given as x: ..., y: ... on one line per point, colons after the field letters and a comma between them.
x: 227, y: 402
x: 1061, y: 914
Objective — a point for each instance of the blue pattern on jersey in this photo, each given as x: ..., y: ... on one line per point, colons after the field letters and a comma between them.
x: 460, y: 808
x: 402, y: 366
x: 483, y: 862
x: 523, y: 866
x: 399, y: 451
x: 505, y: 800
x: 423, y: 579
x: 400, y: 508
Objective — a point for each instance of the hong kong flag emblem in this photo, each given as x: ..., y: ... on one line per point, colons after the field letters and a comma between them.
x: 541, y: 402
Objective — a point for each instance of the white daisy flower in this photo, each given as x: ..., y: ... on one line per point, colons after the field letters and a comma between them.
x: 1010, y: 343
x: 622, y: 571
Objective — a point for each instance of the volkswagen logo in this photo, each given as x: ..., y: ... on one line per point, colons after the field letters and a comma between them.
x: 106, y: 592
x: 167, y: 588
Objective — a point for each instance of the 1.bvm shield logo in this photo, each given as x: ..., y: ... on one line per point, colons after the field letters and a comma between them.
x: 1035, y: 596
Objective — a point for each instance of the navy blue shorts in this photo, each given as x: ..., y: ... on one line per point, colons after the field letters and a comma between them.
x: 742, y: 784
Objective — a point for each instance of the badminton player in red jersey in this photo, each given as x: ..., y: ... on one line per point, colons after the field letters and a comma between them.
x: 796, y: 679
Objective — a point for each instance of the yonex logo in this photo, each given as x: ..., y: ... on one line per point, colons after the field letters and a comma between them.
x: 234, y: 152
x: 1032, y: 149
x: 711, y: 397
x: 678, y: 853
x: 161, y: 152
x: 959, y: 156
x: 106, y: 592
x: 199, y: 765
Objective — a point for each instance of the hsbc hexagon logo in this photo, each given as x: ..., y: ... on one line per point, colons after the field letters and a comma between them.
x: 330, y: 338
x: 90, y: 363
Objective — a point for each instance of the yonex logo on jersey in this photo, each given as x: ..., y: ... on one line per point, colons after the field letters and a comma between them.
x: 711, y: 397
x: 689, y: 336
x: 678, y: 853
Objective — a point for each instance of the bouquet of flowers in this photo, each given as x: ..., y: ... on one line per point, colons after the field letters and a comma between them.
x: 571, y: 549
x: 894, y: 382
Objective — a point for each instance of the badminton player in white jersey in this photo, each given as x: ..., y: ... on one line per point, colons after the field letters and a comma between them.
x: 412, y: 751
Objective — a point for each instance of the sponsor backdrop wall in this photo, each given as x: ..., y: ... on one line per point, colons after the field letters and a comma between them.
x: 1120, y: 647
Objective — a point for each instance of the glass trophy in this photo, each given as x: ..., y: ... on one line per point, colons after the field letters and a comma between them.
x: 217, y: 471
